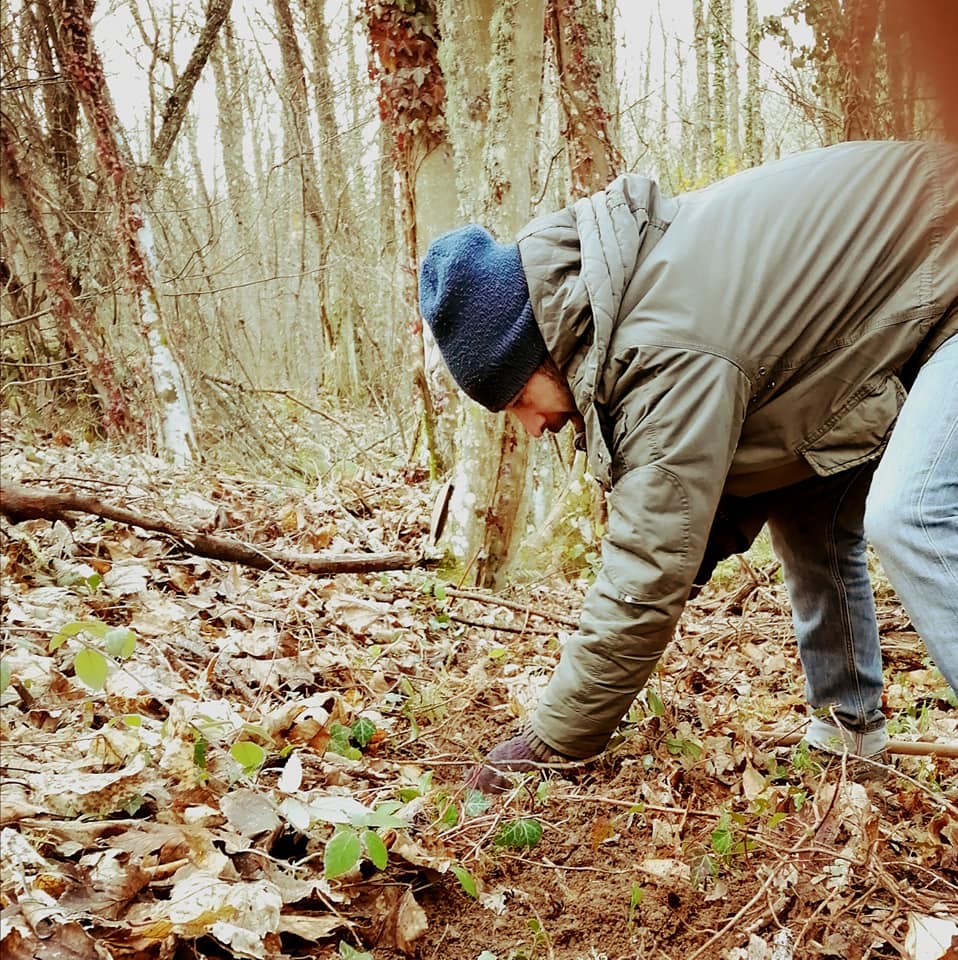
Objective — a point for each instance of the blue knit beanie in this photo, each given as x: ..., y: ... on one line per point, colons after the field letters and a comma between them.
x: 473, y: 295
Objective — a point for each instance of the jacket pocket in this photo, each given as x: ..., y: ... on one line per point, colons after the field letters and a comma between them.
x: 858, y: 431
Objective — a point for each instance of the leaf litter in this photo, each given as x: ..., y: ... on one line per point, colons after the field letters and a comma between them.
x: 205, y: 760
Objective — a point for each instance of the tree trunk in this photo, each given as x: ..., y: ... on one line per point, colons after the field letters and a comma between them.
x: 579, y: 35
x: 77, y: 327
x: 733, y: 140
x: 719, y: 40
x: 412, y: 101
x: 299, y: 142
x: 855, y: 53
x: 704, y: 163
x: 492, y: 56
x: 754, y: 126
x: 927, y: 32
x: 301, y: 151
x: 176, y: 105
x: 81, y: 63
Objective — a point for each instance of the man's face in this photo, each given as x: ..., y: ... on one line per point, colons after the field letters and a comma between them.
x: 545, y: 404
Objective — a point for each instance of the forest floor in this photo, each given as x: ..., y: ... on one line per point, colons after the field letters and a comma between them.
x: 202, y: 759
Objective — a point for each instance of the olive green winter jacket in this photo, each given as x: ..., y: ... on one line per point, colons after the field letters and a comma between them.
x: 732, y: 340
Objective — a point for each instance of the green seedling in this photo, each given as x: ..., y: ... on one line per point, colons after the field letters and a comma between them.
x: 722, y: 841
x: 466, y: 880
x: 200, y: 747
x: 683, y: 747
x: 635, y: 900
x: 803, y: 761
x: 539, y: 935
x: 351, y: 953
x: 730, y: 837
x: 422, y: 787
x: 250, y: 756
x: 101, y: 646
x: 351, y: 841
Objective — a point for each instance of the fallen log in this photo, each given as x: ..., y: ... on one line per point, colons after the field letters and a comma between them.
x: 20, y: 502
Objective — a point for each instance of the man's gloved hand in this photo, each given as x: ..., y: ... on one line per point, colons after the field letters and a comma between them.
x: 520, y: 754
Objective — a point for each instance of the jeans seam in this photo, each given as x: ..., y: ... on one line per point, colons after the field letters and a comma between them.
x: 921, y: 501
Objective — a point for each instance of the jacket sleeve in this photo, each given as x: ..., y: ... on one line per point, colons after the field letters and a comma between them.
x: 676, y: 429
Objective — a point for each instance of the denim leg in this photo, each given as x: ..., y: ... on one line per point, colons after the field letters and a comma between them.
x: 817, y: 529
x: 912, y: 510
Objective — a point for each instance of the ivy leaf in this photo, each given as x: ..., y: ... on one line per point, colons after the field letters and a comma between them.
x: 475, y: 803
x: 91, y: 667
x: 342, y: 853
x: 722, y: 835
x: 4, y: 675
x: 450, y: 814
x: 466, y: 880
x: 519, y: 834
x: 376, y: 849
x: 250, y: 756
x: 362, y: 731
x: 339, y: 741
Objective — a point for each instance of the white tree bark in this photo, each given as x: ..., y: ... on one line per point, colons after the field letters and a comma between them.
x: 173, y: 398
x: 492, y: 61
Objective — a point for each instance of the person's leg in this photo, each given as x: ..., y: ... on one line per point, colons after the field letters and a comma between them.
x: 912, y: 510
x: 817, y: 532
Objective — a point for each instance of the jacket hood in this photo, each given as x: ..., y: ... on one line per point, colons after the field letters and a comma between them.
x: 578, y: 265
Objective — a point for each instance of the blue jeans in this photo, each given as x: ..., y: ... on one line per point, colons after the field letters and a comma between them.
x: 817, y: 529
x: 911, y: 517
x: 908, y: 506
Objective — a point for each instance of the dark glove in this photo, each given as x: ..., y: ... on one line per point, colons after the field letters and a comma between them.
x: 520, y: 754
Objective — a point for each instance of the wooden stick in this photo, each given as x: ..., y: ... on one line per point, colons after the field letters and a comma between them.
x: 911, y: 748
x: 21, y: 502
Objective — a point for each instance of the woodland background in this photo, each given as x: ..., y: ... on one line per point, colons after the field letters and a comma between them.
x: 212, y: 218
x: 227, y: 271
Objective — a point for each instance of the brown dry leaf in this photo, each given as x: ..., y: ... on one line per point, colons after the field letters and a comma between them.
x: 106, y: 886
x: 239, y: 915
x: 601, y: 831
x: 666, y: 869
x: 403, y: 920
x: 753, y: 783
x: 95, y: 794
x: 17, y: 944
x: 311, y: 926
x: 291, y: 520
x: 249, y: 812
x: 14, y: 805
x: 69, y: 941
x: 357, y: 614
